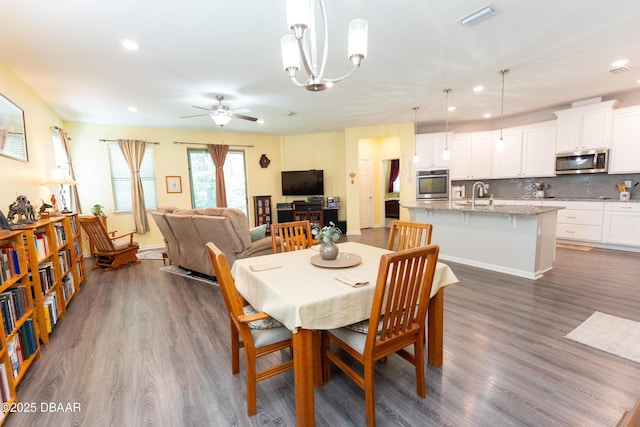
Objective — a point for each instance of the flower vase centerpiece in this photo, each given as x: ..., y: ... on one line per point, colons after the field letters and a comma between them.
x: 327, y: 236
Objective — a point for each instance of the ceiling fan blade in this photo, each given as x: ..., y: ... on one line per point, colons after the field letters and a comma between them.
x: 240, y: 116
x: 201, y: 108
x: 195, y: 115
x: 240, y: 110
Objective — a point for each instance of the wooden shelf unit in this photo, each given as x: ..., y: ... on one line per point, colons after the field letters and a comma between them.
x: 19, y: 332
x: 263, y: 211
x: 314, y: 212
x: 57, y: 268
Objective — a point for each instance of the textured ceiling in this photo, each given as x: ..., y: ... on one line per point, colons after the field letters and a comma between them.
x: 69, y: 52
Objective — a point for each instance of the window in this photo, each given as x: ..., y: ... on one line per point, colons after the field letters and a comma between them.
x: 121, y: 179
x: 203, y: 179
x: 62, y: 161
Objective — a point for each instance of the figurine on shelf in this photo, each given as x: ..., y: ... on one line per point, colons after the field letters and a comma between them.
x: 23, y: 210
x: 54, y: 203
x: 43, y: 212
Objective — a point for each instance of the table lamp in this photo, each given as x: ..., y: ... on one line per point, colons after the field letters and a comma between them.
x: 60, y: 176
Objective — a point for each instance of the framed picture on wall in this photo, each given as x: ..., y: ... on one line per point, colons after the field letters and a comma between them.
x: 174, y: 184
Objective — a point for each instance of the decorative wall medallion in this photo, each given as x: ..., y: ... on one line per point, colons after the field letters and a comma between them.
x: 264, y: 161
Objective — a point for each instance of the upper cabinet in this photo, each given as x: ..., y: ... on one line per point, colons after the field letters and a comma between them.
x: 585, y: 127
x: 429, y: 149
x: 471, y: 155
x: 538, y: 149
x: 529, y: 151
x: 625, y: 146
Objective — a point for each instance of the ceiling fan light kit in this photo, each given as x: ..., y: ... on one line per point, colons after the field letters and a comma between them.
x: 301, y: 45
x: 221, y: 114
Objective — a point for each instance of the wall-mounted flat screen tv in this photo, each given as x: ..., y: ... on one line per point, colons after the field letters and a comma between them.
x: 303, y: 183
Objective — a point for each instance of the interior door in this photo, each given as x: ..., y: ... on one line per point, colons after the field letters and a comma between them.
x: 365, y: 186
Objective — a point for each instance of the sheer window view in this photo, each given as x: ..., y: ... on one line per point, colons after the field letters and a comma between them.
x: 203, y: 179
x: 121, y: 179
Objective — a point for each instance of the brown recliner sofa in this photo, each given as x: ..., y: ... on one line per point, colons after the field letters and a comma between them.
x: 187, y: 231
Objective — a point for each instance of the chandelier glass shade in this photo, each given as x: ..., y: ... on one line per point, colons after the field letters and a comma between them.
x: 301, y: 45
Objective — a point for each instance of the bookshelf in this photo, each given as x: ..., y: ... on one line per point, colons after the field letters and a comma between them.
x: 56, y: 266
x: 262, y: 208
x: 19, y: 344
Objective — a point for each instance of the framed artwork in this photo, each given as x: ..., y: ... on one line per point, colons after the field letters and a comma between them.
x: 13, y: 141
x: 174, y: 184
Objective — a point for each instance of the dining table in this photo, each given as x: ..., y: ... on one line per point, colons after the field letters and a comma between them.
x: 307, y: 294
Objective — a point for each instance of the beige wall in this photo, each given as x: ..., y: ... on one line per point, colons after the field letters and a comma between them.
x: 26, y: 178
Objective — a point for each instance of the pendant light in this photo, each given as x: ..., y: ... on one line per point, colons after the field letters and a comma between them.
x: 500, y: 144
x: 446, y: 154
x: 415, y: 132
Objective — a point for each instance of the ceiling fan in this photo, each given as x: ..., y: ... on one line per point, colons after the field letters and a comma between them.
x: 221, y: 114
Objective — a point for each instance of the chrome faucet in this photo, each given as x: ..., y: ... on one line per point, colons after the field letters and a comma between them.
x: 484, y: 187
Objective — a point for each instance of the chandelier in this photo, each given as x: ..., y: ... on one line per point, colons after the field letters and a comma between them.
x: 302, y: 44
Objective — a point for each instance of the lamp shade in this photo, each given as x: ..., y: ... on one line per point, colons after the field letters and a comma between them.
x: 60, y: 176
x: 221, y: 119
x: 358, y: 32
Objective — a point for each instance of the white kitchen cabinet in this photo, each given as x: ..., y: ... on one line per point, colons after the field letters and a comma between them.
x: 471, y: 155
x: 622, y: 223
x: 625, y: 144
x: 429, y: 149
x: 508, y: 162
x: 585, y: 127
x: 529, y: 151
x: 538, y: 149
x: 580, y: 221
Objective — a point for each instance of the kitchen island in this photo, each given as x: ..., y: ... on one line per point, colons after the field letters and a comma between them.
x: 518, y: 240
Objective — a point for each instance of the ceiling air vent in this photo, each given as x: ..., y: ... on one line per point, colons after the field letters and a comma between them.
x: 619, y: 70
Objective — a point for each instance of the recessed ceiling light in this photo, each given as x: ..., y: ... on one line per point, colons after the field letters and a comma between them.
x: 478, y: 88
x: 133, y: 109
x: 452, y: 108
x: 260, y: 122
x: 486, y: 115
x: 620, y: 63
x: 130, y: 44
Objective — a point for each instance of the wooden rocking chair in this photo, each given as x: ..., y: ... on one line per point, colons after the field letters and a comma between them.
x: 110, y: 254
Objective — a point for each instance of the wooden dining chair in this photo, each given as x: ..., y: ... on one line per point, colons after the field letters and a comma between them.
x: 397, y: 320
x: 109, y: 253
x: 291, y: 236
x: 405, y: 235
x: 257, y: 332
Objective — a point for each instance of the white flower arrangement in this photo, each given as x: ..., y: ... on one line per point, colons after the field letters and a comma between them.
x: 327, y: 233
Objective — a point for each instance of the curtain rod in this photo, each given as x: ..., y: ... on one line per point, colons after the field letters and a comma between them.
x: 113, y: 140
x: 205, y: 143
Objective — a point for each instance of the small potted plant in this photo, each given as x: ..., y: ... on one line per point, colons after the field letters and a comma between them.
x: 97, y: 211
x: 327, y: 236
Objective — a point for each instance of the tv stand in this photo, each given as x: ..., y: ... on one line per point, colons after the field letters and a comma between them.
x: 314, y: 212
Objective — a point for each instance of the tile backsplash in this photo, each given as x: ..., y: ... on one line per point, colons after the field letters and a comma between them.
x: 579, y: 186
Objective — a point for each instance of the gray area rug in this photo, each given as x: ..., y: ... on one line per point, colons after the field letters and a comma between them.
x: 174, y: 269
x: 615, y: 335
x: 149, y: 255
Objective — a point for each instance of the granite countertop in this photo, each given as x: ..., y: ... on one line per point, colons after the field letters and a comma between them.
x: 567, y: 199
x: 482, y: 206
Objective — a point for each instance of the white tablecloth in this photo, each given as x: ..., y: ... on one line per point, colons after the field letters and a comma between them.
x: 299, y: 294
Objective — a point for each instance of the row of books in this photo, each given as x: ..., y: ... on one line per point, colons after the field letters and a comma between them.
x: 74, y: 225
x: 5, y: 391
x: 61, y: 235
x: 47, y: 276
x: 13, y: 303
x: 41, y: 242
x: 64, y: 258
x: 21, y: 346
x: 51, y: 310
x: 9, y: 262
x: 68, y: 287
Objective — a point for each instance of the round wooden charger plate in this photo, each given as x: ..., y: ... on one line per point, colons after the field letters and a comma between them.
x: 342, y: 261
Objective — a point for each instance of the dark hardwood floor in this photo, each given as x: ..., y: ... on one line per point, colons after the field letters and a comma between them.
x: 140, y: 346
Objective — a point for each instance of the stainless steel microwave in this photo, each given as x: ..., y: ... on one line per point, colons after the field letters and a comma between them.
x: 588, y: 161
x: 432, y: 184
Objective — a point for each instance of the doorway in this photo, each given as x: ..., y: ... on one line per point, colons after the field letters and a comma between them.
x: 365, y: 187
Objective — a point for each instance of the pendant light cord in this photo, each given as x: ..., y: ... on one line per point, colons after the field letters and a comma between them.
x: 503, y: 72
x: 446, y: 118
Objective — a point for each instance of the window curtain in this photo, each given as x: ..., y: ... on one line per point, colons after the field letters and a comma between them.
x: 75, y: 199
x: 218, y: 155
x: 133, y: 152
x: 394, y: 171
